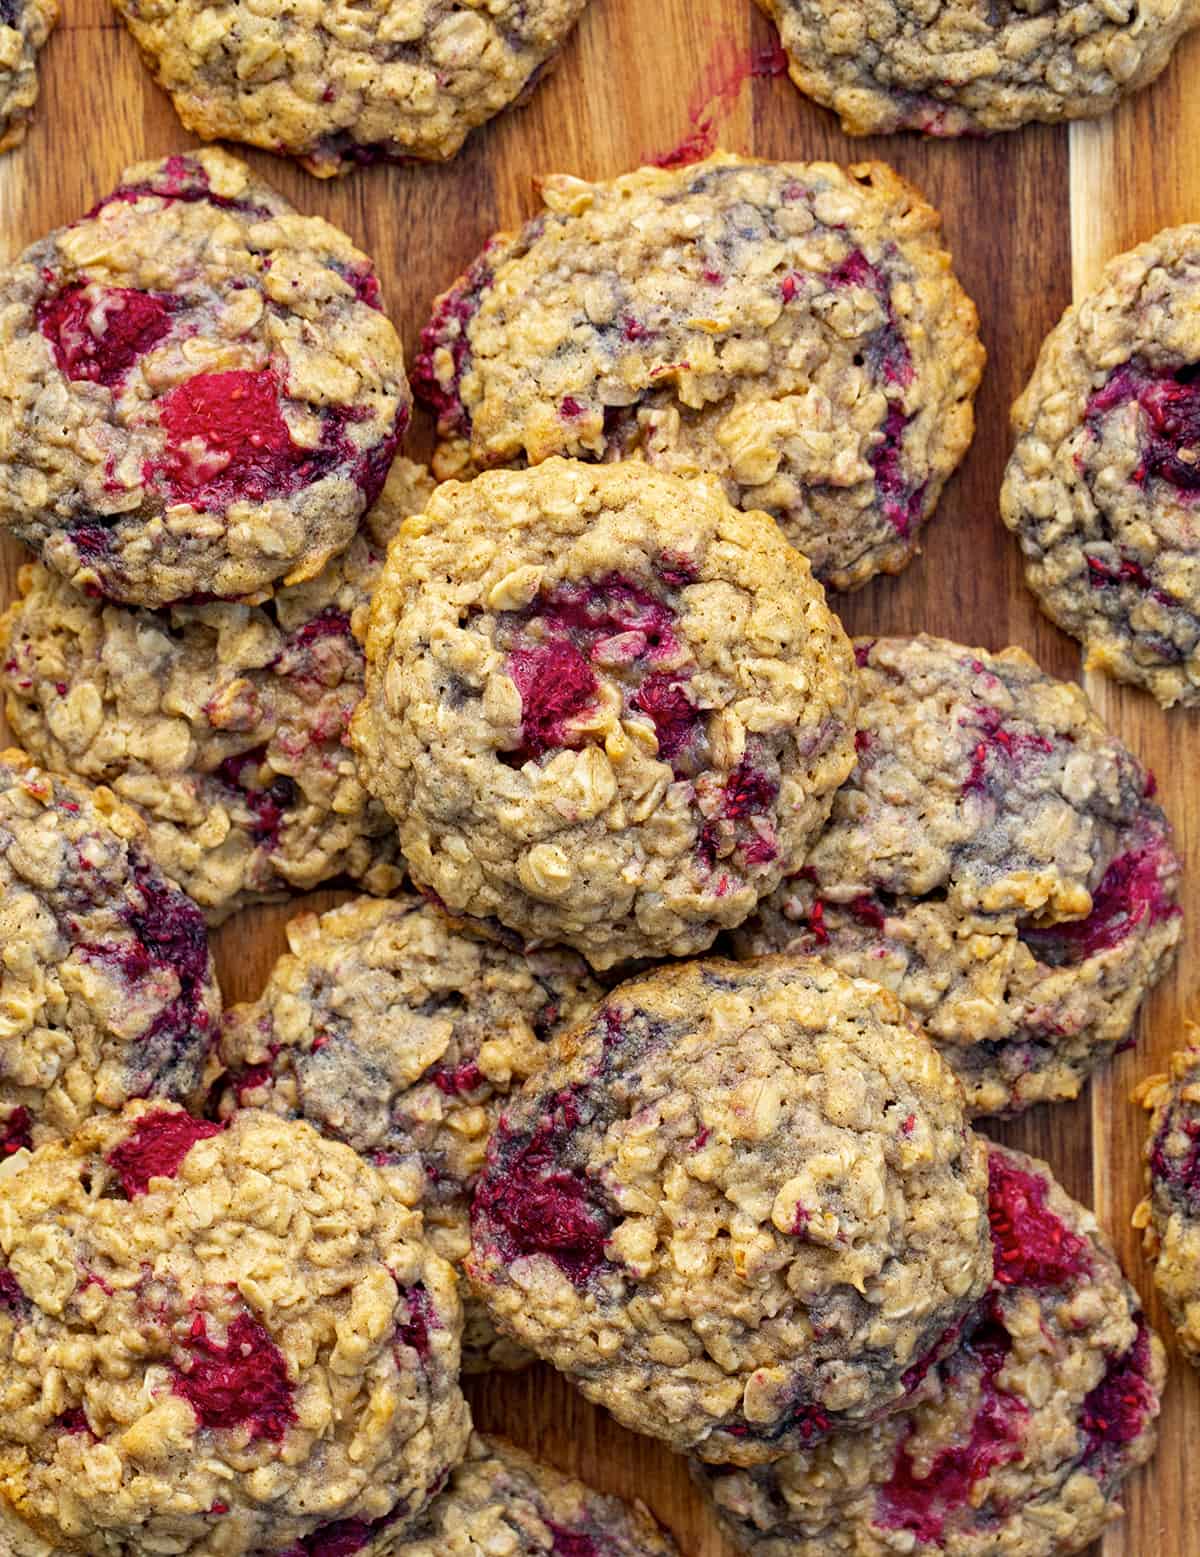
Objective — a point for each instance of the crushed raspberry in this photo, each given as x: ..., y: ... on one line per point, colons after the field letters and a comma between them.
x: 455, y: 1083
x: 815, y: 921
x: 448, y: 330
x: 862, y: 741
x: 571, y: 1543
x: 1180, y: 1174
x: 98, y: 333
x: 748, y: 793
x: 155, y: 1148
x: 243, y: 1383
x: 341, y: 1538
x: 922, y: 1504
x: 809, y: 1423
x: 366, y: 287
x: 556, y: 685
x: 675, y: 570
x: 862, y: 652
x: 1170, y: 403
x: 570, y: 409
x: 16, y: 1132
x: 1131, y: 892
x: 1032, y: 1246
x: 607, y: 607
x: 331, y: 623
x: 72, y: 1421
x: 945, y: 1343
x: 997, y: 741
x: 250, y: 1080
x: 889, y: 353
x: 180, y: 178
x: 91, y: 541
x: 13, y: 1301
x: 868, y: 911
x: 1117, y: 1410
x: 901, y: 503
x: 414, y: 1331
x: 170, y: 933
x: 533, y: 1207
x: 269, y: 806
x: 662, y: 699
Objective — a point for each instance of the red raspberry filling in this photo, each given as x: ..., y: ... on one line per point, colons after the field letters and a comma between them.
x: 1131, y: 892
x: 748, y: 793
x: 1181, y: 1175
x: 527, y: 1205
x: 97, y: 333
x: 1032, y: 1246
x: 16, y: 1132
x: 331, y: 623
x: 662, y: 699
x: 998, y: 742
x: 243, y: 1383
x: 890, y: 356
x: 269, y: 806
x: 414, y: 1331
x: 464, y: 1078
x: 155, y: 1149
x: 571, y: 1543
x: 901, y: 501
x: 556, y: 685
x: 448, y: 328
x: 1170, y: 405
x: 342, y: 1537
x: 1117, y: 1410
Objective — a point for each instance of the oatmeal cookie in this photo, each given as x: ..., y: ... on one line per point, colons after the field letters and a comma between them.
x: 736, y: 1206
x: 107, y: 988
x: 499, y: 1500
x: 1170, y: 1214
x: 199, y: 394
x: 224, y: 724
x: 1018, y: 1442
x: 995, y: 859
x: 338, y: 85
x: 218, y: 1340
x: 795, y: 329
x: 1103, y: 486
x: 24, y: 27
x: 604, y: 706
x: 966, y: 67
x: 394, y: 1029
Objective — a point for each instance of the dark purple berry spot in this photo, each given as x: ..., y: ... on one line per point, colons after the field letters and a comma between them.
x: 242, y: 1383
x: 1117, y: 1410
x: 1131, y: 893
x: 571, y: 1543
x: 16, y: 1132
x: 414, y: 1331
x: 155, y: 1148
x: 997, y: 741
x: 268, y: 806
x: 662, y: 698
x: 13, y: 1301
x: 901, y: 501
x: 1170, y: 404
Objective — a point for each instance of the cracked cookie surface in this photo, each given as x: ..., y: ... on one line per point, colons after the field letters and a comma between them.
x: 1170, y: 1214
x: 966, y: 67
x: 392, y: 1028
x: 218, y: 1339
x: 1018, y: 1441
x: 794, y: 329
x: 736, y: 1206
x: 604, y: 706
x: 199, y: 394
x: 24, y: 27
x: 1103, y: 486
x: 994, y: 859
x: 223, y: 724
x: 341, y: 84
x: 107, y: 988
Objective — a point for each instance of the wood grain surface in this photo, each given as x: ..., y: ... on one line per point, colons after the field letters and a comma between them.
x: 1028, y: 217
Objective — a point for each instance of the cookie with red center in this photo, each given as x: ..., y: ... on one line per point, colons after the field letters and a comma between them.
x: 227, y: 1312
x: 223, y: 724
x: 959, y: 68
x: 604, y: 706
x: 396, y: 1030
x: 378, y: 83
x: 737, y: 1205
x: 996, y: 860
x: 24, y: 27
x: 1103, y: 486
x: 199, y: 394
x: 794, y: 329
x: 1019, y: 1440
x: 501, y: 1500
x: 1170, y: 1214
x: 108, y: 986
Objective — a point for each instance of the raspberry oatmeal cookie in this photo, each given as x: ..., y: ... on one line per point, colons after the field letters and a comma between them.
x: 501, y: 1501
x: 341, y: 85
x: 107, y: 989
x: 218, y: 1340
x: 24, y: 27
x: 736, y: 1207
x: 392, y: 1029
x: 996, y: 860
x: 1103, y: 487
x: 1019, y: 1441
x: 795, y: 329
x: 224, y: 724
x: 603, y: 706
x: 966, y: 67
x: 1170, y: 1214
x: 199, y: 395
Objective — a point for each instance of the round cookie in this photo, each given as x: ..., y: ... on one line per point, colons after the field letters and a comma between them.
x: 1170, y: 1214
x: 24, y: 27
x: 964, y: 67
x: 603, y: 706
x: 1017, y: 1442
x: 995, y: 859
x: 1103, y: 486
x: 391, y: 1028
x: 199, y: 394
x: 224, y: 724
x: 107, y: 988
x: 736, y: 1206
x: 339, y: 86
x: 795, y: 329
x: 218, y: 1340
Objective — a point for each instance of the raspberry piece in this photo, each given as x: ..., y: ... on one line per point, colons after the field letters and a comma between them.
x: 155, y: 1149
x: 243, y: 1383
x: 1130, y: 890
x: 97, y: 333
x: 1033, y: 1248
x: 1115, y: 1412
x: 556, y: 685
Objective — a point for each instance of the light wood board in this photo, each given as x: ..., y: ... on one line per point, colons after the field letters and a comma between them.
x: 1028, y: 216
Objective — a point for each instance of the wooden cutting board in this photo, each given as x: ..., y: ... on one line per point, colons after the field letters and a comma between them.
x: 1029, y: 217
